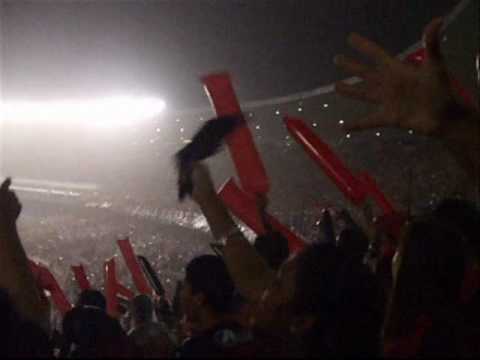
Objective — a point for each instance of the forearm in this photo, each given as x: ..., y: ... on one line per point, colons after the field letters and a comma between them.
x: 218, y: 217
x: 17, y: 278
x: 248, y: 270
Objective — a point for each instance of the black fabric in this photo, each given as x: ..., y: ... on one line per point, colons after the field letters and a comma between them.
x: 226, y: 340
x: 92, y: 333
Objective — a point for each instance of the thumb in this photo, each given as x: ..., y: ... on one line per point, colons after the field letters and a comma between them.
x: 431, y: 40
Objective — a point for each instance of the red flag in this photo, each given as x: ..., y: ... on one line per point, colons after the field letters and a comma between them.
x: 326, y: 159
x: 132, y: 263
x: 250, y: 169
x: 245, y: 208
x: 81, y: 277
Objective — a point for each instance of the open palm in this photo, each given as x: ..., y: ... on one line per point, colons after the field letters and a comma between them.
x: 409, y: 97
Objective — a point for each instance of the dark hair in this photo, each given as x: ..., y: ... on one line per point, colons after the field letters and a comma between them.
x: 92, y: 330
x: 342, y: 294
x: 429, y: 278
x: 92, y: 298
x: 208, y: 274
x: 273, y: 247
x: 142, y: 308
x: 353, y: 242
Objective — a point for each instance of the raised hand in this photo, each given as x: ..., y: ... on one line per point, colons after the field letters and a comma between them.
x: 10, y: 207
x: 410, y: 97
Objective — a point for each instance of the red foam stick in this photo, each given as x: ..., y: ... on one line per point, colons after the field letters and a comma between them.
x: 111, y: 288
x: 244, y: 207
x: 47, y: 281
x: 373, y: 190
x: 295, y: 243
x: 419, y: 56
x: 250, y: 169
x: 81, y: 277
x: 321, y: 153
x: 132, y: 263
x: 122, y: 290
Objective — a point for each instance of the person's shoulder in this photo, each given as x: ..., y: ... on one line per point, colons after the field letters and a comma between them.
x: 148, y: 331
x: 198, y: 346
x: 227, y: 340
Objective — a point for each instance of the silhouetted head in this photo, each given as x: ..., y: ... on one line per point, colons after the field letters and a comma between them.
x: 208, y: 286
x: 92, y: 298
x: 142, y: 309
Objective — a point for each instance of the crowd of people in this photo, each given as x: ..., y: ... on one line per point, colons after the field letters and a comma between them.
x: 359, y: 289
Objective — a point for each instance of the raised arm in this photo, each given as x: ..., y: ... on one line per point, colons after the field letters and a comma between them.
x: 16, y: 276
x: 249, y: 271
x: 418, y: 98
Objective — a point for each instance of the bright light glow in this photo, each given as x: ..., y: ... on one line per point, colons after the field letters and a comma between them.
x: 341, y: 122
x: 257, y: 127
x: 325, y: 105
x: 99, y: 111
x: 300, y: 109
x: 378, y: 134
x: 410, y: 132
x: 314, y: 124
x: 348, y: 136
x: 277, y: 112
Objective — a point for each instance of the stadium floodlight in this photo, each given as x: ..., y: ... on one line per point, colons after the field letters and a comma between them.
x: 111, y: 109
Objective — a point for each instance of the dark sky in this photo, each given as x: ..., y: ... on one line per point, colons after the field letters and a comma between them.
x: 65, y: 49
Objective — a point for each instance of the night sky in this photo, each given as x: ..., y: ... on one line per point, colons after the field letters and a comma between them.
x: 78, y: 49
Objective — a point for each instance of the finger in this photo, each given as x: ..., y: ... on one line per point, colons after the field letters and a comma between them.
x: 431, y: 40
x: 351, y: 66
x: 11, y: 196
x: 357, y: 93
x: 369, y: 48
x: 6, y: 185
x: 374, y: 120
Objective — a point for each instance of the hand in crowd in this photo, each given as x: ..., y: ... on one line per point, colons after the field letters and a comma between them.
x: 410, y: 97
x: 418, y: 98
x: 10, y: 207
